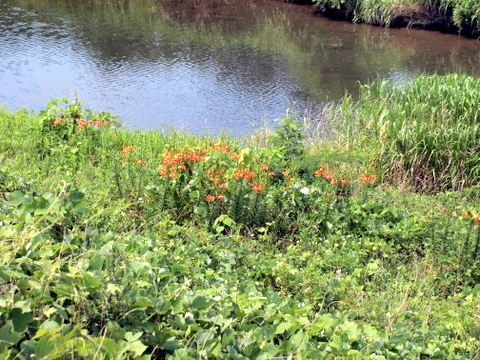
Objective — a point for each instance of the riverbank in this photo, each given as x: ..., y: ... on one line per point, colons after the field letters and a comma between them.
x: 118, y: 244
x: 462, y: 17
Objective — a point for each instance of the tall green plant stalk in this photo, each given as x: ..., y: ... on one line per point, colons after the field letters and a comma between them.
x: 117, y: 178
x: 254, y: 211
x: 477, y: 245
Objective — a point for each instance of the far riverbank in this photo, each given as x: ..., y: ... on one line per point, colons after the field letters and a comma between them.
x: 460, y: 18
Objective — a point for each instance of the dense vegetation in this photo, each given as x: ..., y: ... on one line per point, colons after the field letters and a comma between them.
x: 118, y: 244
x: 426, y: 134
x: 464, y: 14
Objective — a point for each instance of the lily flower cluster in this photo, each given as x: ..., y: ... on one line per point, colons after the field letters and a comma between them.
x: 367, y: 178
x: 81, y: 123
x: 466, y: 215
x: 222, y: 174
x: 330, y: 177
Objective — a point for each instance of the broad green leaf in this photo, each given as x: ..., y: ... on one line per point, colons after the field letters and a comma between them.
x: 7, y: 274
x: 144, y: 302
x: 20, y: 320
x: 96, y: 262
x: 91, y: 282
x: 201, y: 303
x: 7, y: 335
x: 282, y: 327
x: 137, y: 347
x: 171, y: 345
x: 16, y: 198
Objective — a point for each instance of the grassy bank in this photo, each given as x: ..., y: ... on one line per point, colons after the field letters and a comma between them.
x: 459, y: 15
x: 125, y: 245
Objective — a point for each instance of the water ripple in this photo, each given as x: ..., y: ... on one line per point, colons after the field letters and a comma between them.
x: 202, y: 69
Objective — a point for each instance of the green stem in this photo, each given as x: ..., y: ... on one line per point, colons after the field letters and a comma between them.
x: 477, y: 245
x: 117, y: 181
x: 254, y: 212
x: 237, y: 205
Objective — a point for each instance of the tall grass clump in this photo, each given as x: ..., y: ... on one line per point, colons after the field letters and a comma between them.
x: 466, y: 14
x: 377, y: 12
x: 425, y: 134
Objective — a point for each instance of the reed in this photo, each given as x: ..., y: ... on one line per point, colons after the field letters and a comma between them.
x: 425, y: 134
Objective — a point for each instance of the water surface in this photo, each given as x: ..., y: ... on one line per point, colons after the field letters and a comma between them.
x: 204, y: 65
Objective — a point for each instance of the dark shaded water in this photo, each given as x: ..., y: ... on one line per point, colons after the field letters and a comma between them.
x: 203, y: 64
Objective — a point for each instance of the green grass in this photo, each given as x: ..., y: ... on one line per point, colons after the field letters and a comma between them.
x: 425, y: 134
x: 104, y: 257
x: 464, y: 14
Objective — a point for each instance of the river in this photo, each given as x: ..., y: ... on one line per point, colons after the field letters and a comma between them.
x: 204, y: 65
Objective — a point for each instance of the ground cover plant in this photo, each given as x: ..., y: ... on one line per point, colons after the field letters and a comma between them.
x: 118, y: 244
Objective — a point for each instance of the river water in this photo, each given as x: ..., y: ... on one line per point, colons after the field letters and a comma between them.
x: 204, y: 65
